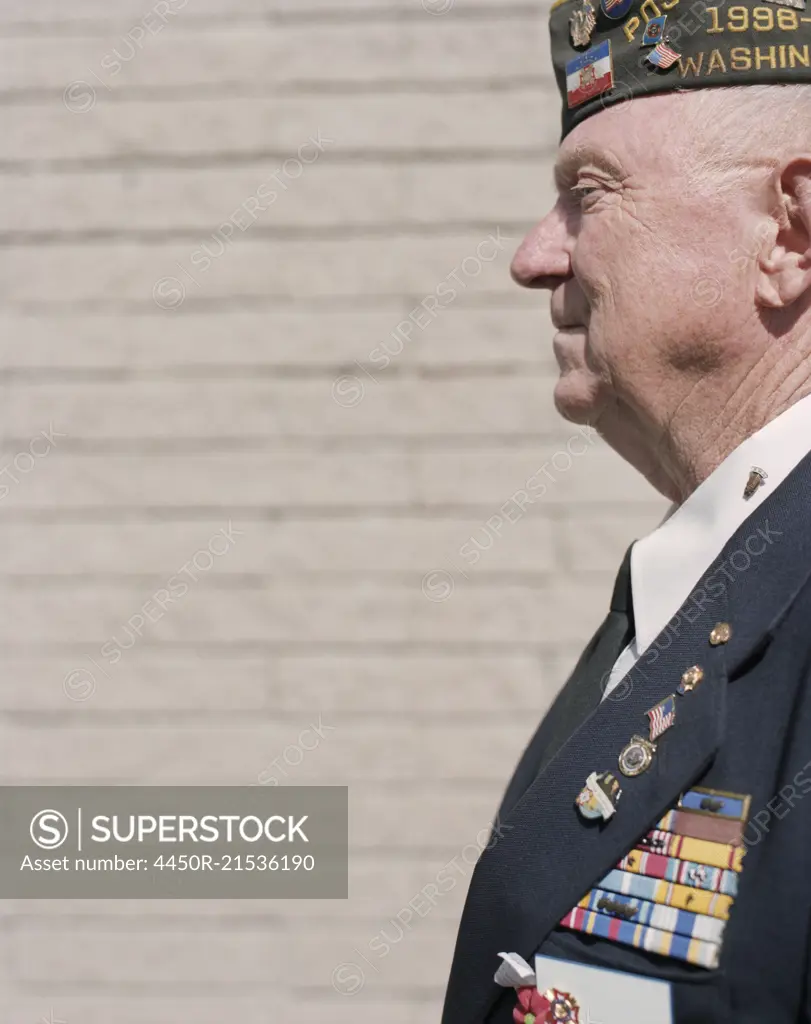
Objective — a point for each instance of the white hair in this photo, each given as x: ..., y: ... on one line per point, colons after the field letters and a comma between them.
x: 733, y: 128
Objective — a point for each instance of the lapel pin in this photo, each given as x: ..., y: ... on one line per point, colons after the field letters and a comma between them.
x: 720, y: 633
x: 662, y: 716
x: 581, y: 24
x: 636, y: 756
x: 757, y: 477
x: 690, y: 679
x: 599, y: 797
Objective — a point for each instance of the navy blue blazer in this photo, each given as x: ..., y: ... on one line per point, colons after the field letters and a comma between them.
x: 745, y: 729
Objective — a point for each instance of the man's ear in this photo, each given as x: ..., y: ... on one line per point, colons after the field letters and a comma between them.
x: 784, y: 265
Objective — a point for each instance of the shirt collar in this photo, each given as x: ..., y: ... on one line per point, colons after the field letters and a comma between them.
x: 666, y: 564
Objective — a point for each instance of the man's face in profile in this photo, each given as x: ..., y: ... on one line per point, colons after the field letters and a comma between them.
x: 638, y: 256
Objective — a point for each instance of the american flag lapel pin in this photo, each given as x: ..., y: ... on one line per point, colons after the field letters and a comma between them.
x: 662, y: 716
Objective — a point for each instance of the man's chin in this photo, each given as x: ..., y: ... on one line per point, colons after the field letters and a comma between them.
x: 576, y: 400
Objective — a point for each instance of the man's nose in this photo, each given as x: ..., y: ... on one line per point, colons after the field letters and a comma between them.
x: 542, y: 259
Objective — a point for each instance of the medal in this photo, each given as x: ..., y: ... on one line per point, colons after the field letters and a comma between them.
x: 563, y: 1008
x: 636, y: 756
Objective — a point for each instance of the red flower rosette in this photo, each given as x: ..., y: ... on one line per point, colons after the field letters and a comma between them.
x: 550, y: 1007
x: 532, y: 1006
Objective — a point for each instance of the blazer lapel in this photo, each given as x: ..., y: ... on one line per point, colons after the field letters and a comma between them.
x: 548, y: 856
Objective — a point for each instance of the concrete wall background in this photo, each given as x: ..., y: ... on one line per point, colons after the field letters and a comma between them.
x: 252, y: 393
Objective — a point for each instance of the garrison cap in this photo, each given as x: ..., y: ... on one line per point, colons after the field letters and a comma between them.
x: 607, y: 51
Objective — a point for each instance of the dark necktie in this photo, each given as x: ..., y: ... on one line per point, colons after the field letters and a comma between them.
x: 583, y: 690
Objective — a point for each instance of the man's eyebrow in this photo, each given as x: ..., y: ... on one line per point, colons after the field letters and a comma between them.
x: 568, y: 164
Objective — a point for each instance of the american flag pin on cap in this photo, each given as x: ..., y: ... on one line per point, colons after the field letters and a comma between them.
x: 663, y: 55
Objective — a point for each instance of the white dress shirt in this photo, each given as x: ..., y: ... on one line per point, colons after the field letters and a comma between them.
x: 666, y: 565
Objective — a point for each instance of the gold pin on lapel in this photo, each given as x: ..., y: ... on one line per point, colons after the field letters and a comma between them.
x: 720, y: 633
x: 690, y: 679
x: 757, y: 477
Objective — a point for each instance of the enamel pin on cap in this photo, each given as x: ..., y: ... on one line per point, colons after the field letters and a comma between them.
x: 615, y: 9
x: 599, y: 797
x: 654, y: 31
x: 663, y: 56
x: 581, y: 24
x: 589, y: 74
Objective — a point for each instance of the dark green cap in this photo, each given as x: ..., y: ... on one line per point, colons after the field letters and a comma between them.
x: 607, y: 51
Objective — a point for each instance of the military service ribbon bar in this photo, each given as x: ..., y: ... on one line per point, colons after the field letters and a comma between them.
x: 719, y: 855
x: 667, y: 919
x: 680, y: 947
x: 726, y: 831
x: 703, y: 876
x: 673, y: 893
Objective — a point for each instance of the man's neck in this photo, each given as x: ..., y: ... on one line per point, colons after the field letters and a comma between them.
x: 706, y: 428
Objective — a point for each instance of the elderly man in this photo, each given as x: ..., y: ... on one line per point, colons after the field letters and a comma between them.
x: 653, y: 848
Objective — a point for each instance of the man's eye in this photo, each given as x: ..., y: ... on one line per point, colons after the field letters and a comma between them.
x: 581, y: 192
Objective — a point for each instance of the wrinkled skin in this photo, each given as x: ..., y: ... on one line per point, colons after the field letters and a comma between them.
x: 682, y: 309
